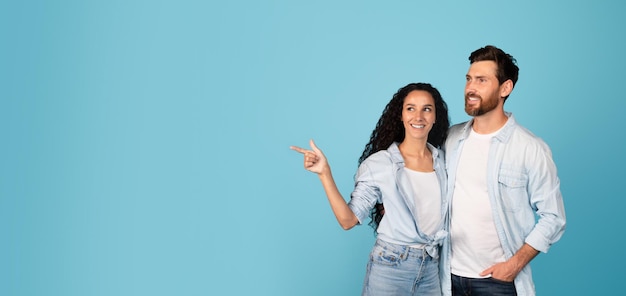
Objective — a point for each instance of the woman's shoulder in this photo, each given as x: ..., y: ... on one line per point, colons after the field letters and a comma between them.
x: 378, y: 157
x: 376, y: 166
x: 392, y: 153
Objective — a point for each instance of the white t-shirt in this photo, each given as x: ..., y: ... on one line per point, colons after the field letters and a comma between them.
x: 474, y: 240
x: 427, y: 198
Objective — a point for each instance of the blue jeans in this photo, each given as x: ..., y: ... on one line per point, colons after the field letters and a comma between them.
x: 401, y: 270
x: 462, y: 286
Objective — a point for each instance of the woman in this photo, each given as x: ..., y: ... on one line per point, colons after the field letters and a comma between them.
x: 401, y: 169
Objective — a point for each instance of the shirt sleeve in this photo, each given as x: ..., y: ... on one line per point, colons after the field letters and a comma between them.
x: 546, y: 200
x: 365, y: 194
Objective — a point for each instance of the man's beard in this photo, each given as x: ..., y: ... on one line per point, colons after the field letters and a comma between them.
x: 484, y: 107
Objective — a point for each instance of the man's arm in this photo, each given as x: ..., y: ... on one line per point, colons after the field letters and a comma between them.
x: 508, y: 270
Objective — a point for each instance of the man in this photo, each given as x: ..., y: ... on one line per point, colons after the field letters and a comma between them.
x: 506, y: 203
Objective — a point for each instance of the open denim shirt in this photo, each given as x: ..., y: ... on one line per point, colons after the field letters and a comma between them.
x: 381, y: 178
x: 524, y: 191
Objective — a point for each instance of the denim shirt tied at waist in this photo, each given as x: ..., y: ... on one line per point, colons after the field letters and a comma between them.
x: 381, y: 178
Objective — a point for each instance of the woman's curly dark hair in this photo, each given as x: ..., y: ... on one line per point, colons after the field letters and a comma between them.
x: 390, y: 129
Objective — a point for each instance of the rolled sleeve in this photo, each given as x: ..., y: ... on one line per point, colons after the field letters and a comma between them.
x: 365, y: 194
x: 546, y: 199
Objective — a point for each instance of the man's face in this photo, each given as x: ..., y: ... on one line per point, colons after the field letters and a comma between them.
x: 482, y: 89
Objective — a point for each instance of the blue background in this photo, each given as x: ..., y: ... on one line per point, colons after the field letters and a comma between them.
x: 145, y: 144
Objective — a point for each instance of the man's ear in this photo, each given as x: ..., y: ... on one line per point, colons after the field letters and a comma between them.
x: 506, y: 88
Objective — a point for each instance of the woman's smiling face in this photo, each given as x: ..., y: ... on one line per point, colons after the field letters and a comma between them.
x: 418, y: 114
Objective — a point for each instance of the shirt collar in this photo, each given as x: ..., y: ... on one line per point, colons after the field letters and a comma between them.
x: 503, y: 136
x: 396, y: 156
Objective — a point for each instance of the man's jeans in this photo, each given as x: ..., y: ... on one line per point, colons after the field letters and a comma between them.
x: 462, y: 286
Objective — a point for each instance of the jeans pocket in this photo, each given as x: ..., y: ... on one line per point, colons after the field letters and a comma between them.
x: 384, y: 255
x: 497, y: 281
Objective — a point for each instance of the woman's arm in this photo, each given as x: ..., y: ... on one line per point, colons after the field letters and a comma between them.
x: 315, y: 161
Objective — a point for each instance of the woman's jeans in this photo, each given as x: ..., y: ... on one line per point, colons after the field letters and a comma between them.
x: 463, y: 286
x: 401, y: 270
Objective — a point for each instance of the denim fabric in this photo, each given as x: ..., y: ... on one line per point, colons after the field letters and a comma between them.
x: 462, y: 286
x: 523, y: 184
x: 381, y: 178
x: 401, y: 270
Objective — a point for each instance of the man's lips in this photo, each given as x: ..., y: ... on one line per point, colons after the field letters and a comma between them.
x: 472, y: 100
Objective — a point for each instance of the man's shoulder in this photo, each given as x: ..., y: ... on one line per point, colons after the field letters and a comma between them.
x: 524, y: 137
x: 523, y: 132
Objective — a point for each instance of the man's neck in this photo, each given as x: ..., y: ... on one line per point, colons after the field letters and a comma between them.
x: 489, y: 122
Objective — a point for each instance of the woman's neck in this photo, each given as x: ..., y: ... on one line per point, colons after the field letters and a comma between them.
x: 416, y: 155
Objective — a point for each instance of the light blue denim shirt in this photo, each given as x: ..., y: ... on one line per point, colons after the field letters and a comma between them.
x: 524, y: 191
x: 381, y: 178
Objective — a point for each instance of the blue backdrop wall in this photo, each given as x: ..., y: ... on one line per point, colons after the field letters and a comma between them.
x: 145, y: 143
